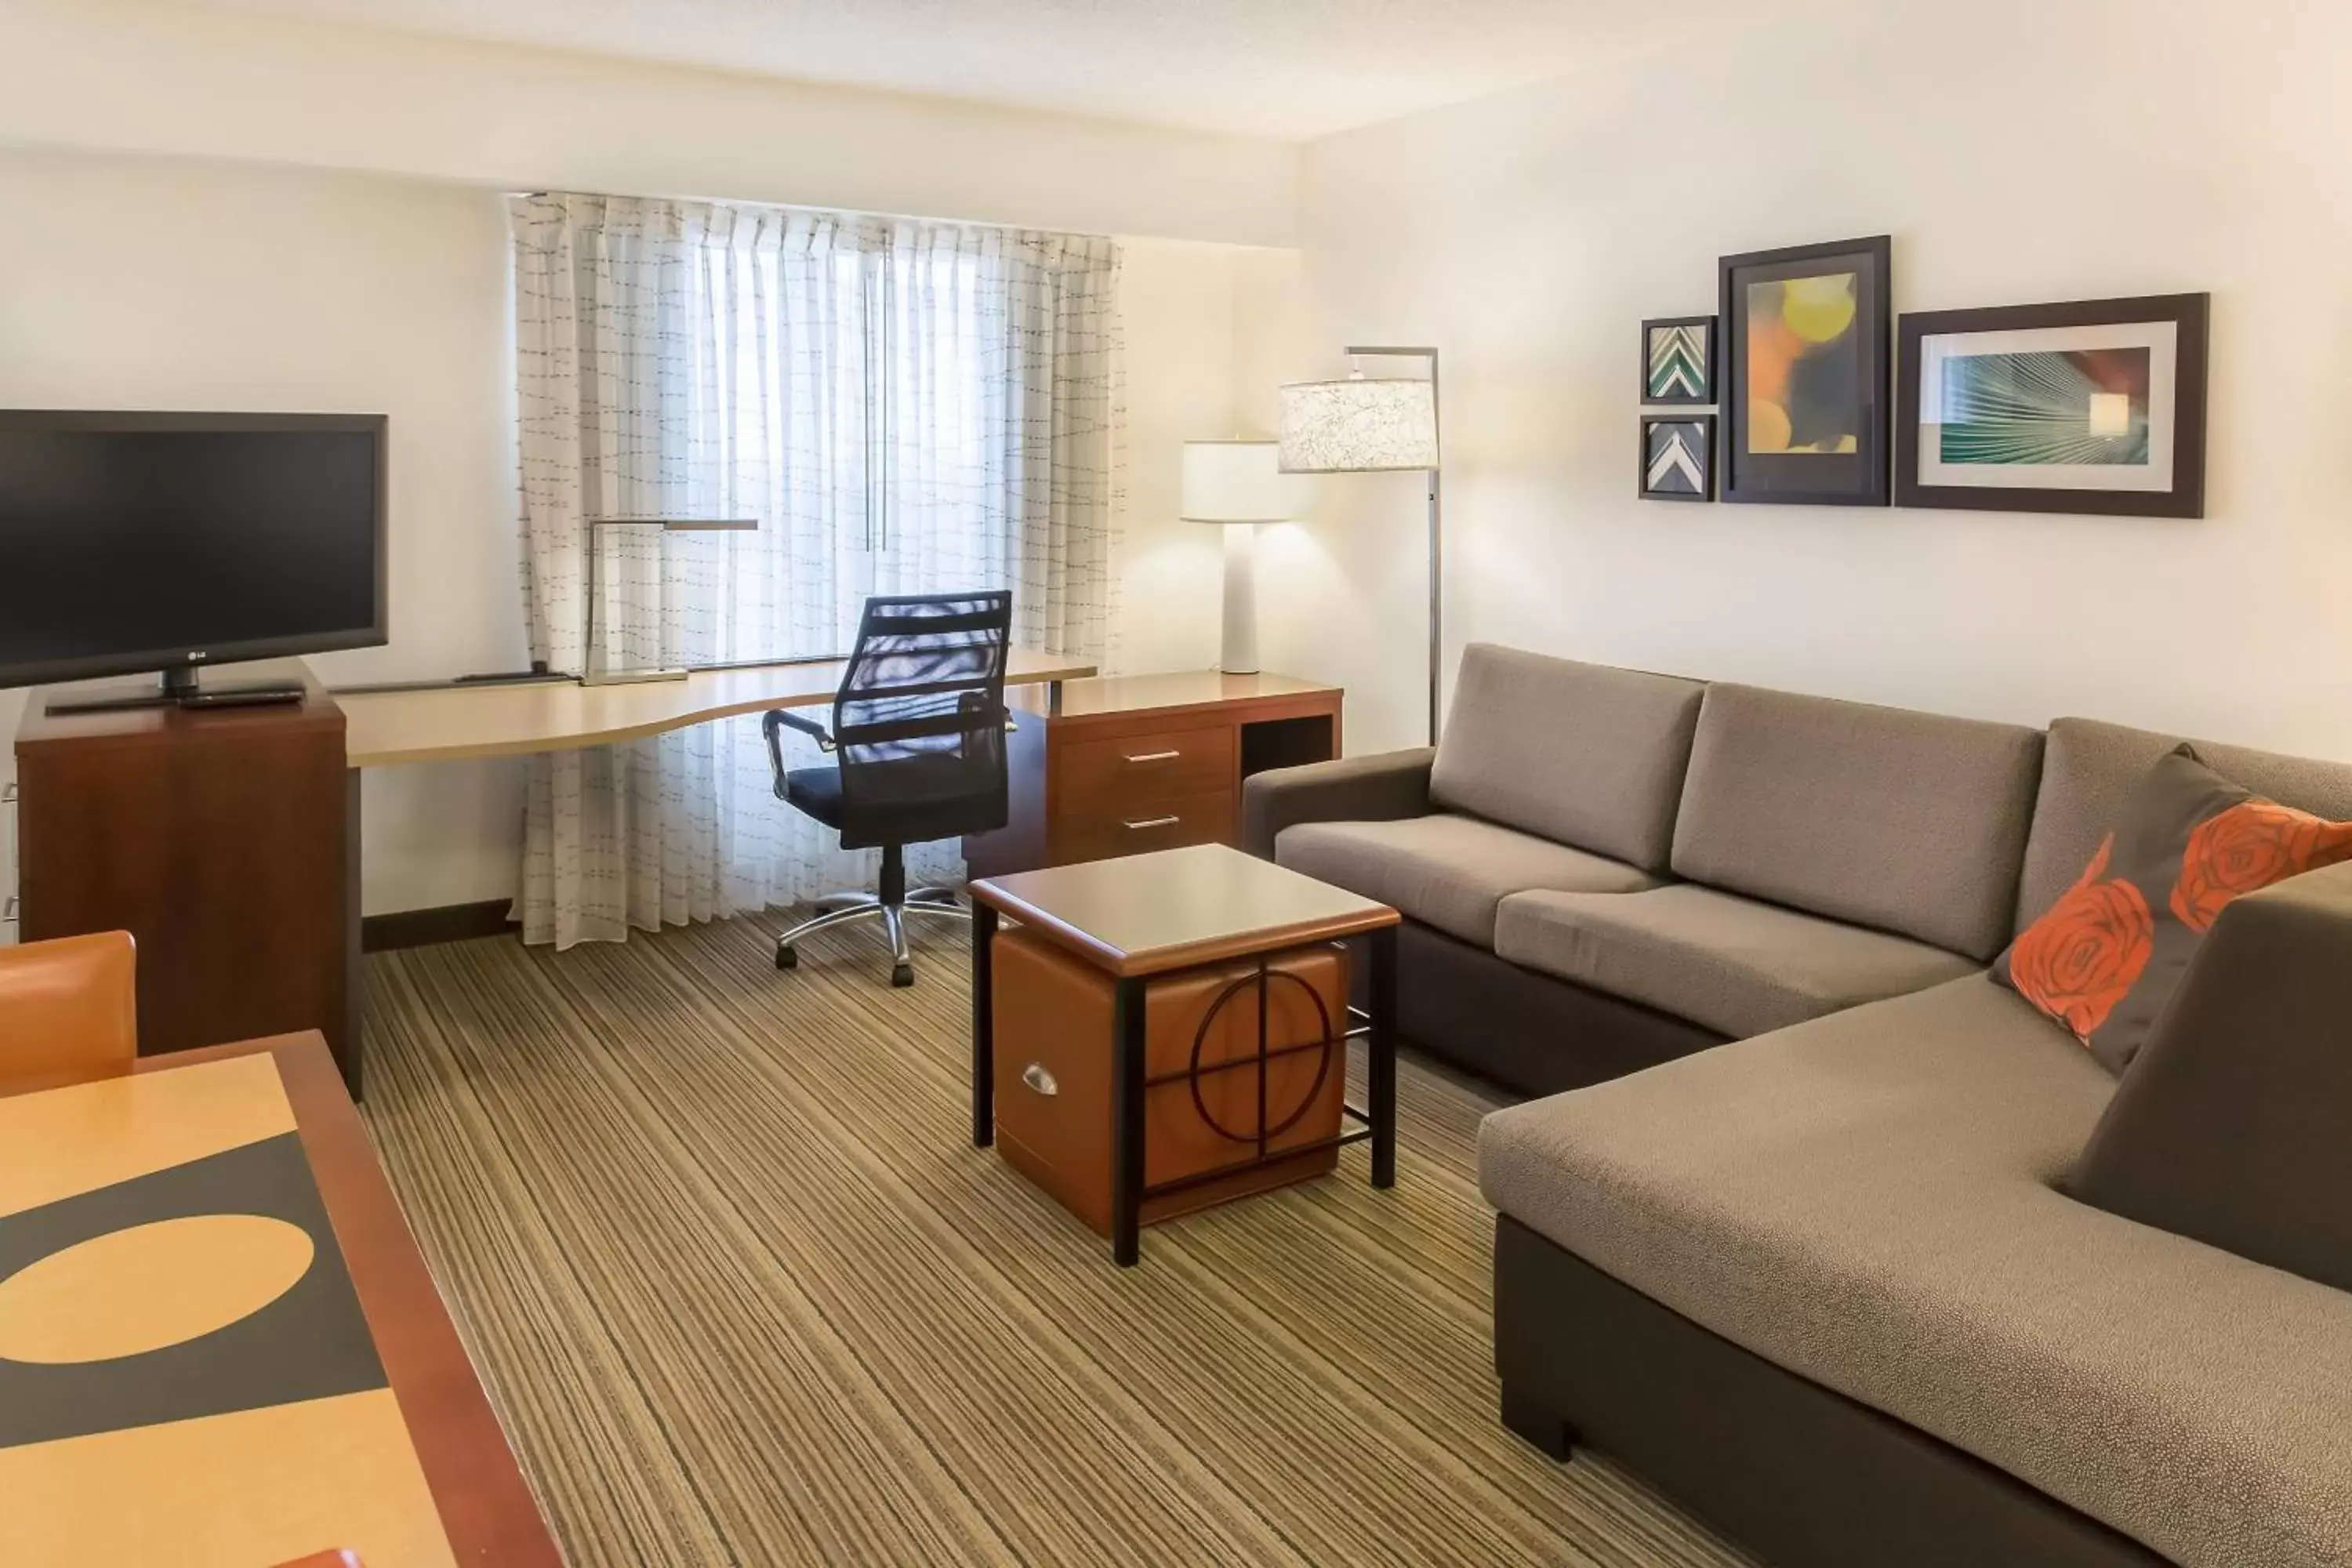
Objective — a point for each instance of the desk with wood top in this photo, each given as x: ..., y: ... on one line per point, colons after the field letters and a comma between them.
x: 1129, y: 764
x: 219, y: 1345
x: 446, y: 724
x: 229, y: 841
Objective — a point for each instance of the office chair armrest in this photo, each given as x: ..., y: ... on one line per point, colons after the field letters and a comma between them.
x: 772, y: 723
x: 786, y: 717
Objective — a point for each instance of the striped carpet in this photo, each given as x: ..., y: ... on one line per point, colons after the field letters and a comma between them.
x: 745, y: 1293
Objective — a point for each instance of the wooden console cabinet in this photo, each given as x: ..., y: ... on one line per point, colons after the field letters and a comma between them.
x: 1134, y: 763
x: 220, y: 840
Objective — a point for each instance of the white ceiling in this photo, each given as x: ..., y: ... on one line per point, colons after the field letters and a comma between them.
x: 1287, y: 69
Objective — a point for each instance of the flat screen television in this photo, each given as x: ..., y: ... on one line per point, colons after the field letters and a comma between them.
x: 139, y: 543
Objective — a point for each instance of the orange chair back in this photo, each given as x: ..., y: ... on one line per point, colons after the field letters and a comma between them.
x: 68, y: 1007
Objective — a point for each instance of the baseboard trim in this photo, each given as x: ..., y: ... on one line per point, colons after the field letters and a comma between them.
x: 425, y: 928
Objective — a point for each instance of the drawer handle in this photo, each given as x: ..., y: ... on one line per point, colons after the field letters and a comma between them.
x: 1036, y: 1076
x: 1151, y: 822
x: 1154, y: 756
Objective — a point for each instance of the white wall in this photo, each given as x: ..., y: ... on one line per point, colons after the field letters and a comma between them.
x: 2018, y: 151
x: 147, y: 283
x: 135, y: 78
x: 1178, y: 302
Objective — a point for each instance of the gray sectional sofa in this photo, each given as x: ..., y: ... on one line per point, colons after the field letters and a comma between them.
x: 1817, y: 1271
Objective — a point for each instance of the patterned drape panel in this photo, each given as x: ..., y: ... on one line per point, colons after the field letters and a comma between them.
x: 903, y: 408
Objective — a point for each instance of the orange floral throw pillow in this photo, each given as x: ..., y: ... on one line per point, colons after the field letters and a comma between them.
x: 2108, y: 955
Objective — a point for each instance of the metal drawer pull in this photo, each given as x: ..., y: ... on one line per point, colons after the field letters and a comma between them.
x: 1036, y: 1076
x: 1155, y: 757
x: 1151, y: 822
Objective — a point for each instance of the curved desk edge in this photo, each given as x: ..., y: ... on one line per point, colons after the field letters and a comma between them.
x: 385, y: 728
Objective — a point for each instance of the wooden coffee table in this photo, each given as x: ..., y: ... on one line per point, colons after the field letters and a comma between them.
x: 1143, y: 916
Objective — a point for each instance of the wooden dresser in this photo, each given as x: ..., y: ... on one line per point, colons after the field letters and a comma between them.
x: 220, y: 840
x: 1132, y: 763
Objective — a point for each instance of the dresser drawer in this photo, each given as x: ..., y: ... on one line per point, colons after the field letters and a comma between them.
x: 1102, y: 831
x: 1101, y: 776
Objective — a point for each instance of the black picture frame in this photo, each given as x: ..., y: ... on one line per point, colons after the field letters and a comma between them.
x: 1859, y: 477
x: 2190, y: 316
x: 1705, y: 397
x: 1704, y: 447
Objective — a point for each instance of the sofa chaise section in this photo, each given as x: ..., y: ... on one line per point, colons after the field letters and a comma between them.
x: 1872, y: 1202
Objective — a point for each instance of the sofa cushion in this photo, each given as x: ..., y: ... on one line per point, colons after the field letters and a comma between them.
x: 1870, y: 1201
x: 1909, y: 822
x: 1733, y: 964
x: 2091, y: 767
x: 2107, y: 958
x: 1583, y: 753
x: 2230, y: 1126
x: 1444, y: 871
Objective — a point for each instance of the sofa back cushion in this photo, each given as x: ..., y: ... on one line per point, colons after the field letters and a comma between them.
x: 2229, y: 1125
x: 1909, y: 822
x: 1584, y: 754
x: 2091, y: 768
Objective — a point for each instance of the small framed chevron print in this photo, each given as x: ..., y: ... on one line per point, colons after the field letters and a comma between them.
x: 1677, y: 456
x: 1678, y: 360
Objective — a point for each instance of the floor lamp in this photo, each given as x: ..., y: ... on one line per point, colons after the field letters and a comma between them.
x: 1238, y: 484
x: 1376, y: 425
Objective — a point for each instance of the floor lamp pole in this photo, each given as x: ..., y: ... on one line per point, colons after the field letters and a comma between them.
x: 1436, y: 556
x: 1436, y: 594
x: 1437, y: 525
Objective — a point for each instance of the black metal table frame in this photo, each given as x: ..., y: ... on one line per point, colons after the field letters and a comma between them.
x: 1130, y: 1080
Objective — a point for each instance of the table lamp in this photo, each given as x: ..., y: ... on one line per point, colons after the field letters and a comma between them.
x: 1240, y: 485
x: 1375, y: 424
x: 596, y: 670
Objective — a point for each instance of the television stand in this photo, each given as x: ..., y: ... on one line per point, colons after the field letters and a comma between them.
x: 225, y: 844
x: 181, y: 688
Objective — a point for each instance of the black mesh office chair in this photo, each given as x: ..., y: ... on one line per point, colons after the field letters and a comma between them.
x: 917, y: 739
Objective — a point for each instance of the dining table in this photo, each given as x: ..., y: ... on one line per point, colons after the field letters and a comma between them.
x: 220, y: 1345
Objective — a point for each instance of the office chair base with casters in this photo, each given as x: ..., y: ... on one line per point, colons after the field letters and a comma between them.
x: 891, y: 905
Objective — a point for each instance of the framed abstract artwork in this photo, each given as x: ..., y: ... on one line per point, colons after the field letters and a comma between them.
x: 1678, y: 456
x: 1805, y: 361
x: 1678, y: 360
x: 2093, y: 406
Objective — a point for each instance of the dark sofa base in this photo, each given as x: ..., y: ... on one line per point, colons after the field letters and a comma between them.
x: 1793, y: 1472
x: 1525, y: 1031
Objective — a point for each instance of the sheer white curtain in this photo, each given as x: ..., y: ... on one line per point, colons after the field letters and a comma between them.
x: 901, y: 406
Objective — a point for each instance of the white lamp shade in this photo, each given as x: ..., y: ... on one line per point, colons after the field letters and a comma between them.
x: 1236, y: 481
x: 1358, y: 426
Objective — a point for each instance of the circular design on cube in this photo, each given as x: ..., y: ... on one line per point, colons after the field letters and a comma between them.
x: 1201, y: 1040
x: 148, y: 1286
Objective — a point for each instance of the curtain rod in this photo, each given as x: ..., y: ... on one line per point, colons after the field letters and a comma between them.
x: 837, y: 211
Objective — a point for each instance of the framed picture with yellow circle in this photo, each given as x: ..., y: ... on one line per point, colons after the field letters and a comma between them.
x: 1806, y: 410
